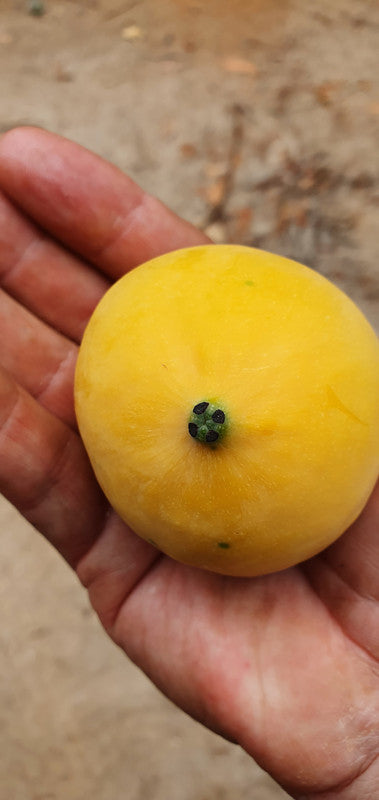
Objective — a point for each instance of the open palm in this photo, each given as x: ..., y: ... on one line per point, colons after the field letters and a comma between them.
x: 285, y: 665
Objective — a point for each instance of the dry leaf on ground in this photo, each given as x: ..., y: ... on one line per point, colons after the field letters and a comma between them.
x: 132, y: 32
x: 240, y: 66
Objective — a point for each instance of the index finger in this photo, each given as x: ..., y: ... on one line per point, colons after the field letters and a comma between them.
x: 88, y: 203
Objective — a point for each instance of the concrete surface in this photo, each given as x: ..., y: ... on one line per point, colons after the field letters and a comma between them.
x: 257, y: 120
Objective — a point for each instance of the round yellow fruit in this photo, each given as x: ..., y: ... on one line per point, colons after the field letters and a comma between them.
x: 228, y: 399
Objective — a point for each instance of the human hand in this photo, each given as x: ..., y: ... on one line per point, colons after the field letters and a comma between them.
x: 285, y: 665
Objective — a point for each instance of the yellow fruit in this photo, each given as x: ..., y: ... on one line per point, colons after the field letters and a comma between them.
x: 276, y: 348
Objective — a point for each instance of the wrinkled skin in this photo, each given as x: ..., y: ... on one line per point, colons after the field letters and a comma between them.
x: 286, y: 665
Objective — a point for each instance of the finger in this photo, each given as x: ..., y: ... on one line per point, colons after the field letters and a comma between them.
x: 356, y: 554
x: 87, y: 203
x: 45, y: 473
x: 54, y: 284
x: 346, y: 577
x: 40, y: 359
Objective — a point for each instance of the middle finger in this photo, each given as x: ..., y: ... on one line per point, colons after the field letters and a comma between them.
x: 38, y: 357
x: 54, y: 284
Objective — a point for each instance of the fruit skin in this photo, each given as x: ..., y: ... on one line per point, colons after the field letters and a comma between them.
x: 295, y: 366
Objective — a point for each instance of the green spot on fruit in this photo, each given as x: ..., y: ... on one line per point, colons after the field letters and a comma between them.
x: 207, y: 423
x: 249, y: 283
x: 223, y: 545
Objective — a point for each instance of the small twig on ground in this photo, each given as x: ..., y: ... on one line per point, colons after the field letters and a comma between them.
x: 217, y: 213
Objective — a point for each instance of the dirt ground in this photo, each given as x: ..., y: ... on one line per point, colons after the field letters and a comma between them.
x: 257, y: 120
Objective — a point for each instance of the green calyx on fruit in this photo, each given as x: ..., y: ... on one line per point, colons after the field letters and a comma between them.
x: 207, y: 423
